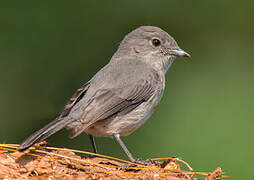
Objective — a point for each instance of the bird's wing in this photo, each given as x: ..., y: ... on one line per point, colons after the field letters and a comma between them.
x: 111, y: 101
x: 77, y: 96
x: 116, y: 100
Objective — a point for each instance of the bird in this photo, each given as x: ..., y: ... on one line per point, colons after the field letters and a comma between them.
x: 121, y: 96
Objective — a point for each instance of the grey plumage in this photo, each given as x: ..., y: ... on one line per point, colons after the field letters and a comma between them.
x: 123, y: 94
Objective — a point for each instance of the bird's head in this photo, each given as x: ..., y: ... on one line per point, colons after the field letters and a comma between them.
x: 152, y: 45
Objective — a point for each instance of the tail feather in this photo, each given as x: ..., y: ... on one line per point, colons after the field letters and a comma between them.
x: 43, y: 133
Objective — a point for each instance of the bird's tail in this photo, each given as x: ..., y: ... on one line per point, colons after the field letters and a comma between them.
x: 43, y: 133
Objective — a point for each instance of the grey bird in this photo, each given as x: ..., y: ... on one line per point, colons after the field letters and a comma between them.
x: 123, y: 94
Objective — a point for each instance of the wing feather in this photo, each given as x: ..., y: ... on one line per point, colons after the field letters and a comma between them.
x: 77, y: 96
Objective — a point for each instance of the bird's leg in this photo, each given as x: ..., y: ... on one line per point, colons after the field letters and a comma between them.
x: 93, y: 143
x: 127, y: 152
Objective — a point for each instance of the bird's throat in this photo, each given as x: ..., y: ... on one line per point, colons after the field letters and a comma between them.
x: 167, y: 62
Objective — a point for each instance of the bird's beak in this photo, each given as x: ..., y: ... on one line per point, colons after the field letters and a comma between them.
x: 179, y: 52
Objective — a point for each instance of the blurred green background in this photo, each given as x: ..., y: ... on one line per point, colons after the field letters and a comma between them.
x: 48, y: 49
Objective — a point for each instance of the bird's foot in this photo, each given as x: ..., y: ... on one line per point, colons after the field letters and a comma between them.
x: 143, y: 162
x: 138, y: 162
x: 133, y: 166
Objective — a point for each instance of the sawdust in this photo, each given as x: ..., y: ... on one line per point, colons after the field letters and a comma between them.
x: 57, y: 163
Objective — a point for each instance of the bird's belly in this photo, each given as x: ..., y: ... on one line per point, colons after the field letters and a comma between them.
x: 125, y: 124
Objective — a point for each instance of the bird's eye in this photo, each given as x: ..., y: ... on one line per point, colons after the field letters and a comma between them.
x: 156, y: 42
